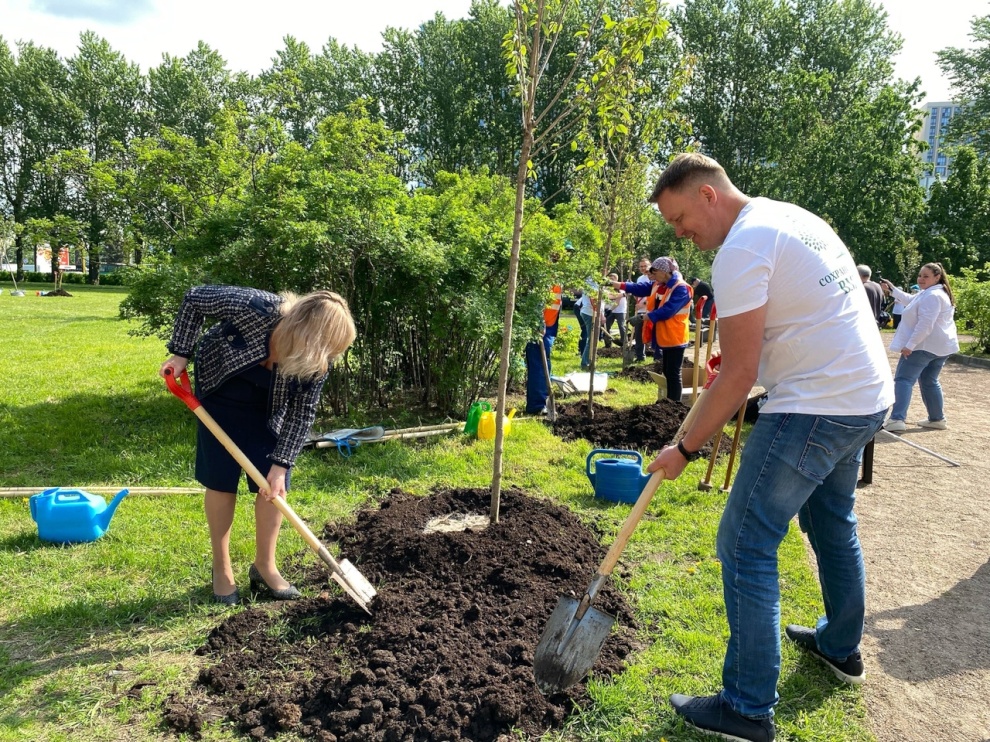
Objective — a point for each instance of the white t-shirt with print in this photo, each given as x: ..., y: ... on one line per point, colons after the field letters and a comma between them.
x: 822, y: 351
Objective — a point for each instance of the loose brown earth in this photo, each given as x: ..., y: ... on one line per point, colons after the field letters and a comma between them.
x: 448, y: 652
x: 926, y: 541
x: 645, y: 427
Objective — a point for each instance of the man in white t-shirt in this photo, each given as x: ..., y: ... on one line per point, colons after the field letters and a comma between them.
x: 792, y: 316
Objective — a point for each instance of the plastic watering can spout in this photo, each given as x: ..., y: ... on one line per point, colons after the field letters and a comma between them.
x: 103, y: 519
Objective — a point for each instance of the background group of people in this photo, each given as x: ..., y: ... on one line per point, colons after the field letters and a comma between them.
x: 661, y: 321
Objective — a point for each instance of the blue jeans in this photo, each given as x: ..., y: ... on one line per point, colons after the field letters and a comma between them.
x: 923, y: 367
x: 638, y: 343
x: 805, y: 465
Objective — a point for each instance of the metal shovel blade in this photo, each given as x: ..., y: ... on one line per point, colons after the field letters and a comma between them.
x: 569, y: 646
x: 357, y: 581
x: 350, y: 580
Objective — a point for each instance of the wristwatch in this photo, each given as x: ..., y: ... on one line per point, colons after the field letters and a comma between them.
x: 689, y: 455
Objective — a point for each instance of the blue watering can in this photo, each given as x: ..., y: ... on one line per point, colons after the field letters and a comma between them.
x: 66, y: 516
x: 616, y: 479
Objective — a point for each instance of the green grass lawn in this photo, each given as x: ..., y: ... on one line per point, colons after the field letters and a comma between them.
x: 81, y: 405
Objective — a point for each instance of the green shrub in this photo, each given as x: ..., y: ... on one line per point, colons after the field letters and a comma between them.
x: 972, y: 295
x: 114, y: 278
x: 566, y: 344
x: 424, y: 273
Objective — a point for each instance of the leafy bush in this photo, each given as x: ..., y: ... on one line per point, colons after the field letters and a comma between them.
x: 424, y: 273
x: 566, y: 344
x: 972, y: 295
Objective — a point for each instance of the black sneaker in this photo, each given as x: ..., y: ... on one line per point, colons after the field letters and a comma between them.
x: 850, y: 670
x: 712, y: 715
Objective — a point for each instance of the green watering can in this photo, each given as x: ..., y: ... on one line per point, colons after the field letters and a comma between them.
x: 474, y: 416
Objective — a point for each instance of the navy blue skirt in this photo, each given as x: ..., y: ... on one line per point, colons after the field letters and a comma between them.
x: 240, y: 408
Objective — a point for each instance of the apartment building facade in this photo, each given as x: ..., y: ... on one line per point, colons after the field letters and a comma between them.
x: 937, y: 115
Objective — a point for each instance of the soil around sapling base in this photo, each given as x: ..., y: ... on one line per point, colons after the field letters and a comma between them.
x: 448, y: 651
x: 645, y: 427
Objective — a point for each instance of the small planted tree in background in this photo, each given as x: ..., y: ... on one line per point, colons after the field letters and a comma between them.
x: 600, y: 74
x: 58, y: 232
x: 621, y: 133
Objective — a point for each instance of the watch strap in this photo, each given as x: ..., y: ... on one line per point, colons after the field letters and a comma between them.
x: 689, y: 455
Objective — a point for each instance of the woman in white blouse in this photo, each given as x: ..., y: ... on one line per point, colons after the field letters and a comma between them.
x: 925, y: 338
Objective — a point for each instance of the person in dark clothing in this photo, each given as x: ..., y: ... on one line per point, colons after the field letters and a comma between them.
x: 874, y: 292
x: 260, y: 368
x: 537, y: 389
x: 702, y: 289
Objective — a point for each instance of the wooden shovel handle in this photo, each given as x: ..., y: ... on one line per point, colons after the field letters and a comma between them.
x: 642, y: 503
x: 551, y: 402
x: 711, y: 459
x: 696, y: 372
x: 183, y: 391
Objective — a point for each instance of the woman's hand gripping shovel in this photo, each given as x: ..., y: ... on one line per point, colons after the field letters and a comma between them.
x: 575, y: 633
x: 343, y: 572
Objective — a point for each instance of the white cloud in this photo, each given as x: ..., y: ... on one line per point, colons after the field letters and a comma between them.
x: 247, y: 33
x: 115, y: 12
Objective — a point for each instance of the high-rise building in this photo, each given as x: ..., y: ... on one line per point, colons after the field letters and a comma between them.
x: 936, y: 118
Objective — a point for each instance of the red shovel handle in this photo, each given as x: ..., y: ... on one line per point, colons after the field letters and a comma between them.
x: 698, y: 305
x: 713, y: 314
x: 182, y: 388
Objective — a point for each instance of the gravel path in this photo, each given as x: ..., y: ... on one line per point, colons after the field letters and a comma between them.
x: 926, y: 541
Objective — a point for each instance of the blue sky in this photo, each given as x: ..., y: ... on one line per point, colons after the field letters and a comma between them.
x: 249, y: 32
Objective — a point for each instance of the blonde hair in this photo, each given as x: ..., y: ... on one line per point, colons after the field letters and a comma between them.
x: 314, y: 330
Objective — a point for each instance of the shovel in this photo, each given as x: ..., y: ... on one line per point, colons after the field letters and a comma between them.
x: 343, y: 572
x: 697, y: 348
x: 551, y: 402
x: 576, y: 631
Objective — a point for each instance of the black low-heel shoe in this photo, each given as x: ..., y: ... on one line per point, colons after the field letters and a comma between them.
x: 233, y: 599
x: 258, y: 585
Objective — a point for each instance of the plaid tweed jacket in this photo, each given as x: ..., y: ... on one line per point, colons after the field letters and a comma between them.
x: 238, y: 340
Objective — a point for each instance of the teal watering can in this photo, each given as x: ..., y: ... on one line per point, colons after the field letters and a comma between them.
x: 614, y: 479
x: 66, y: 516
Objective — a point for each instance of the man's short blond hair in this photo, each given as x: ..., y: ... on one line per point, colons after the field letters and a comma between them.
x: 685, y: 169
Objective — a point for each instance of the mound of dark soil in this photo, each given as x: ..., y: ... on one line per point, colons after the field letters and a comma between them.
x: 58, y: 292
x: 611, y: 352
x: 641, y: 373
x: 646, y: 427
x: 447, y: 654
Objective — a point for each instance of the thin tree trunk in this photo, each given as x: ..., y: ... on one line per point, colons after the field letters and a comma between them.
x: 510, y: 304
x: 596, y: 325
